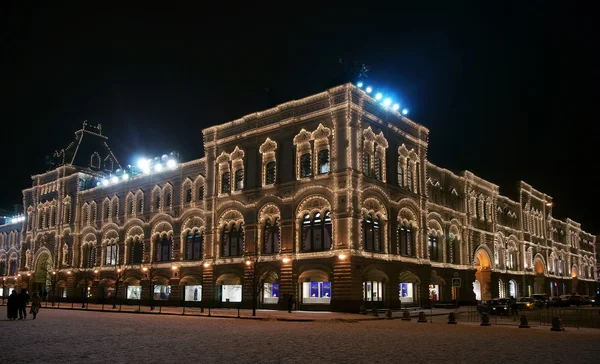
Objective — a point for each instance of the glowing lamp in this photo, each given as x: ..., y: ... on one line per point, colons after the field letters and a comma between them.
x: 396, y: 107
x: 105, y: 182
x: 369, y: 89
x: 286, y: 260
x: 125, y: 176
x: 158, y: 167
x: 171, y: 163
x: 206, y: 265
x: 143, y: 163
x: 359, y: 84
x: 387, y: 102
x: 342, y: 256
x: 378, y: 96
x: 115, y: 180
x: 68, y: 272
x: 174, y: 267
x: 95, y: 270
x: 248, y: 262
x: 145, y: 269
x: 404, y: 111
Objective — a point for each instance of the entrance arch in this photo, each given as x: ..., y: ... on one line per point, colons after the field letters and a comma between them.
x: 41, y: 276
x: 482, y: 275
x: 539, y: 280
x: 408, y: 288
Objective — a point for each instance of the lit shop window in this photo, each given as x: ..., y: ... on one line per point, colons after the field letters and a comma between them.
x: 316, y: 292
x: 134, y: 292
x: 434, y: 292
x: 373, y: 291
x: 406, y: 292
x: 271, y: 293
x: 162, y: 292
x: 193, y: 293
x: 231, y: 293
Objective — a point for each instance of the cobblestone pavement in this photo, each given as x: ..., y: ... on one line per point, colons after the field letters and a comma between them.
x: 65, y: 336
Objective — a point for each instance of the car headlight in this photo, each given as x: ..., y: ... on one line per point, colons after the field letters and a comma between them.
x: 529, y: 304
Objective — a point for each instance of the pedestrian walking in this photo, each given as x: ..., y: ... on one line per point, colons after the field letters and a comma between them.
x: 513, y: 306
x: 12, y: 307
x: 36, y: 303
x: 290, y: 303
x: 22, y: 302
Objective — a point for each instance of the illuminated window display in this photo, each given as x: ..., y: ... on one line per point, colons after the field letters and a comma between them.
x: 162, y: 292
x: 373, y: 291
x: 193, y: 293
x: 434, y: 292
x: 231, y: 293
x: 134, y: 292
x: 271, y: 293
x: 316, y: 292
x: 406, y: 292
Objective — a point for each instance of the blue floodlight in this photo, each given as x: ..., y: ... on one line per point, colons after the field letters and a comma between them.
x: 404, y: 111
x: 387, y: 102
x: 378, y: 96
x: 359, y: 84
x: 396, y: 107
x: 369, y: 89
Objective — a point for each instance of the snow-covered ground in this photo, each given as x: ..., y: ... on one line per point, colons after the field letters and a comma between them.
x: 64, y: 336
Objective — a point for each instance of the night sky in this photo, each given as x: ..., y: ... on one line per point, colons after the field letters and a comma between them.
x: 507, y: 91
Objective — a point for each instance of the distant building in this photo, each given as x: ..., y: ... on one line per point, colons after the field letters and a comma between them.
x: 333, y: 194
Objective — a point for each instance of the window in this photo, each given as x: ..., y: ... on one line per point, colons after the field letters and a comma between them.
x: 112, y: 254
x: 406, y: 292
x: 271, y: 293
x: 239, y: 179
x: 89, y: 256
x: 231, y: 293
x: 371, y: 233
x: 373, y: 291
x: 433, y: 247
x: 316, y: 292
x: 163, y: 249
x: 316, y: 232
x: 434, y: 292
x: 137, y: 252
x: 192, y: 293
x: 232, y: 241
x: 225, y: 183
x: 168, y: 200
x: 140, y: 206
x: 130, y: 208
x: 195, y: 243
x: 418, y: 178
x: 366, y: 163
x: 305, y: 169
x: 455, y: 251
x: 406, y: 241
x: 106, y: 211
x: 157, y: 202
x: 323, y: 161
x: 271, y: 238
x: 134, y: 292
x: 378, y: 168
x: 400, y: 176
x: 270, y: 173
x: 161, y: 292
x: 188, y: 195
x: 200, y: 193
x: 409, y: 178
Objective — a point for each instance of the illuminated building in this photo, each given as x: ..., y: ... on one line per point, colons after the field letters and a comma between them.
x: 333, y: 193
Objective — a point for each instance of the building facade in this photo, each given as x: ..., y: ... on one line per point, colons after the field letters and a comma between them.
x: 330, y: 198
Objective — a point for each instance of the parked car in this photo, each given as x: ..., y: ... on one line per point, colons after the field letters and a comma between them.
x: 585, y: 299
x: 500, y: 306
x: 567, y: 300
x: 541, y: 299
x: 526, y: 303
x: 554, y: 301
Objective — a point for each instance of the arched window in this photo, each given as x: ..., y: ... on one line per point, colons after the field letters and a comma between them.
x: 433, y: 247
x: 168, y: 200
x: 163, y: 249
x: 201, y: 193
x: 305, y: 168
x: 323, y: 161
x: 418, y: 178
x: 195, y: 244
x: 239, y: 179
x: 400, y: 176
x: 271, y: 238
x: 89, y: 255
x: 371, y: 233
x: 232, y: 241
x: 112, y: 254
x: 405, y: 233
x: 140, y: 206
x: 455, y: 251
x: 225, y: 182
x: 157, y: 202
x: 106, y: 210
x: 409, y: 176
x: 270, y: 173
x: 188, y: 195
x: 95, y: 160
x: 316, y: 232
x: 137, y: 252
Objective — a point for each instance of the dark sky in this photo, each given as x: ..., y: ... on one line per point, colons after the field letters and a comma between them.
x: 507, y: 90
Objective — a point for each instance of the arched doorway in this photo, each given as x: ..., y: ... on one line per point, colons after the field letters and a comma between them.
x: 482, y: 275
x: 374, y: 282
x: 512, y: 288
x: 575, y: 280
x: 315, y: 288
x: 538, y: 280
x: 408, y: 288
x: 229, y: 289
x: 41, y: 276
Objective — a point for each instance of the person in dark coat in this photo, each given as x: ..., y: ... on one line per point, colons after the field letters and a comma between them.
x: 290, y: 303
x: 23, y: 299
x: 12, y: 306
